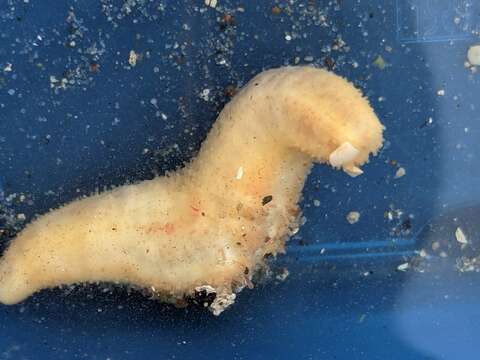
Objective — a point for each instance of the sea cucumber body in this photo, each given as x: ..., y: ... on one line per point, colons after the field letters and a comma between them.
x: 210, y: 224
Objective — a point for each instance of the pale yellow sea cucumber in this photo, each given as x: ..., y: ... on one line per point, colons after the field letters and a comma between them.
x: 203, y: 231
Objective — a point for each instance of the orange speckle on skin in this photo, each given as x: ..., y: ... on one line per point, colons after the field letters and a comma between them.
x: 152, y: 228
x: 156, y: 227
x: 169, y: 228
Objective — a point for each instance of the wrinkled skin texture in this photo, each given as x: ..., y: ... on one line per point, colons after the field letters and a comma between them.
x: 211, y: 223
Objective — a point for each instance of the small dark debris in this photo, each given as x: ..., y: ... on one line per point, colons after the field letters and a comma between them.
x: 179, y: 59
x: 202, y: 298
x: 426, y: 123
x: 94, y: 67
x: 276, y: 10
x: 246, y: 271
x: 227, y: 20
x: 406, y: 224
x: 267, y: 199
x: 337, y: 43
x: 181, y: 303
x: 329, y: 63
x: 7, y: 233
x: 230, y: 90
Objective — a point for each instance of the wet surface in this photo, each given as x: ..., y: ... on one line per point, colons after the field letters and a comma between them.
x: 97, y: 95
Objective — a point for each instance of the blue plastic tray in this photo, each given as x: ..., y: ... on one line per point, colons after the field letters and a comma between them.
x: 75, y: 117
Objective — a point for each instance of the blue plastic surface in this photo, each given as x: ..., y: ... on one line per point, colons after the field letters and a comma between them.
x: 110, y: 122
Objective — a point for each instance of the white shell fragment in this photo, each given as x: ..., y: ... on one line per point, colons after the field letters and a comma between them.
x: 423, y: 253
x: 473, y: 55
x: 132, y: 58
x: 207, y: 288
x: 353, y: 217
x: 221, y: 302
x: 283, y: 275
x: 211, y: 3
x: 401, y: 172
x: 460, y: 236
x: 353, y: 170
x: 403, y: 267
x: 344, y: 154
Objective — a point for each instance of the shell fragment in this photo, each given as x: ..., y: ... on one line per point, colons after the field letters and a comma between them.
x: 353, y: 170
x: 342, y: 155
x: 460, y: 236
